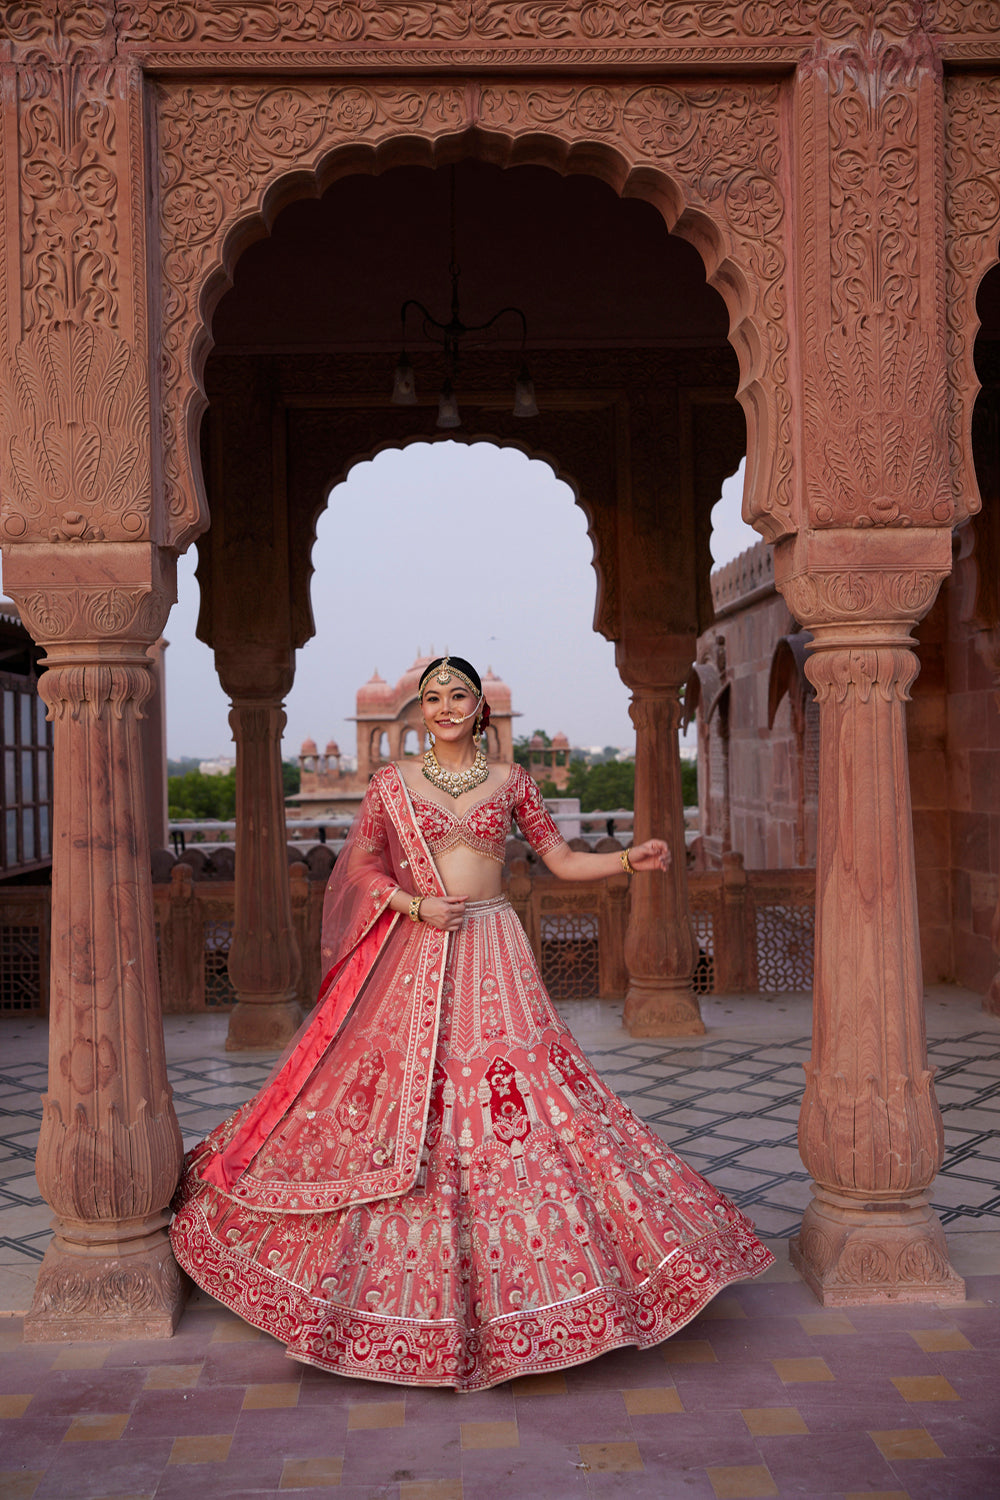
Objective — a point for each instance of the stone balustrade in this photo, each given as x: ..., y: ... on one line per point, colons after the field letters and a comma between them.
x: 753, y: 929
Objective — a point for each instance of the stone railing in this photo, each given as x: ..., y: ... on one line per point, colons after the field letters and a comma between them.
x: 754, y: 931
x: 748, y: 577
x: 24, y: 950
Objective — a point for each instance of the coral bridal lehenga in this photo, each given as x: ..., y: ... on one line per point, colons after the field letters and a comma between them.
x: 435, y: 1187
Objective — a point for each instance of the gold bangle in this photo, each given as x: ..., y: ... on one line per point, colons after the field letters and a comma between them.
x: 415, y: 908
x: 627, y: 864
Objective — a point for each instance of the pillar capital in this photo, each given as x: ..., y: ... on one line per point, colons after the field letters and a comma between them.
x: 99, y: 602
x: 656, y: 710
x: 654, y: 664
x: 851, y: 585
x: 254, y: 674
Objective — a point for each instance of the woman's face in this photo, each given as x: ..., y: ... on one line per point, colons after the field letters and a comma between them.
x: 441, y: 706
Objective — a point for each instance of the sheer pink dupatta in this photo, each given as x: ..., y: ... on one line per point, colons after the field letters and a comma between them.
x: 379, y: 1002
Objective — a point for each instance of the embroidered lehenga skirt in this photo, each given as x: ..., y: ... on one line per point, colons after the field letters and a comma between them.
x: 547, y: 1223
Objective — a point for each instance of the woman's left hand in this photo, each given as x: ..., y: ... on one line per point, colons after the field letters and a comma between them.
x: 652, y: 855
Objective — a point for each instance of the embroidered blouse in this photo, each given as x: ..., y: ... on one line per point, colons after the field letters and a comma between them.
x: 483, y: 827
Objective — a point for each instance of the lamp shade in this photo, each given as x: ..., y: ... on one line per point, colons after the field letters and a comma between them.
x: 525, y: 404
x: 404, y: 384
x: 448, y: 413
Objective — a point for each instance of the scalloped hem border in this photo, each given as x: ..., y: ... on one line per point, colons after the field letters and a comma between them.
x: 476, y: 1360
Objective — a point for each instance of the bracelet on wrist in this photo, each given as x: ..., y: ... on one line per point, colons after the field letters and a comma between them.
x: 415, y: 908
x: 626, y: 863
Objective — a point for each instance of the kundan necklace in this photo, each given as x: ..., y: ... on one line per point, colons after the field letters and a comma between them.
x: 455, y: 782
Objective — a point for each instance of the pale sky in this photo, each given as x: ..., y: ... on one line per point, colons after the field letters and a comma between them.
x: 482, y: 552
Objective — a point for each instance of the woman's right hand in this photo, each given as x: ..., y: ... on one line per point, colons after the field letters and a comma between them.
x: 443, y: 912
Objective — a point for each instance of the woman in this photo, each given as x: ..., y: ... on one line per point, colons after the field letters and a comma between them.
x: 434, y: 1187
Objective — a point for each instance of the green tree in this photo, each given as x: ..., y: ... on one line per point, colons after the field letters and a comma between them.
x: 201, y: 797
x: 689, y: 782
x: 291, y: 777
x: 608, y: 786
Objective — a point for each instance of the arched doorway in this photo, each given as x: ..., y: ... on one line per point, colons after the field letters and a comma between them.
x: 637, y: 404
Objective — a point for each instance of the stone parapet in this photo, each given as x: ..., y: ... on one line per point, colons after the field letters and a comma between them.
x: 746, y: 579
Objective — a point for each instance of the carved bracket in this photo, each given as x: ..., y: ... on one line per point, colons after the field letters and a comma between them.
x: 74, y: 437
x: 872, y: 266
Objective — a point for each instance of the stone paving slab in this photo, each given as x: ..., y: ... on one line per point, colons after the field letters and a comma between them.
x: 764, y: 1394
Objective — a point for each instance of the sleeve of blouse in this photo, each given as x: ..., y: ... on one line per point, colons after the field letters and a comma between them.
x: 370, y: 833
x: 534, y: 822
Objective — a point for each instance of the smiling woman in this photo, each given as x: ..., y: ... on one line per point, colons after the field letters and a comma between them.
x: 435, y: 1187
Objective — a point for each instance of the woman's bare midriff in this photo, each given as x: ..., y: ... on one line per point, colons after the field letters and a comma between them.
x: 466, y: 873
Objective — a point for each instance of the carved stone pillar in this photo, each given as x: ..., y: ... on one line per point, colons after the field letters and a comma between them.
x: 264, y: 955
x: 660, y: 947
x: 870, y: 1129
x: 109, y: 1151
x: 154, y: 749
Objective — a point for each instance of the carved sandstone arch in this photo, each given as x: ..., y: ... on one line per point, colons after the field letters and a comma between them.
x: 972, y: 248
x: 708, y: 156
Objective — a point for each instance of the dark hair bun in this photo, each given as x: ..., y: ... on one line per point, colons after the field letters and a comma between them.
x: 461, y: 665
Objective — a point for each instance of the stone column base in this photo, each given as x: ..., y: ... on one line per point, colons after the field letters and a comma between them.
x: 853, y: 1256
x: 109, y: 1297
x: 659, y: 1010
x: 263, y: 1026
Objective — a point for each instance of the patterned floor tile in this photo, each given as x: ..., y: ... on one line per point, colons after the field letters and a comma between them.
x: 94, y: 1428
x: 489, y: 1435
x: 915, y: 1388
x: 268, y: 1397
x: 375, y: 1414
x: 741, y: 1481
x: 611, y: 1458
x: 652, y: 1400
x: 433, y: 1489
x: 718, y: 1405
x: 206, y: 1448
x: 774, y: 1421
x: 940, y: 1340
x: 14, y: 1406
x: 906, y: 1442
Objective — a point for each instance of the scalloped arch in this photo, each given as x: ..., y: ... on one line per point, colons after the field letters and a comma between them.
x: 469, y: 440
x: 231, y: 157
x: 972, y: 250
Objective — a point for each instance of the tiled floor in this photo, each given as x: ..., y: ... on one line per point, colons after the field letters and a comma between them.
x: 765, y: 1394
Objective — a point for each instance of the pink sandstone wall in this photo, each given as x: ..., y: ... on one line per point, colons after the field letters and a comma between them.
x: 953, y: 736
x: 766, y: 818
